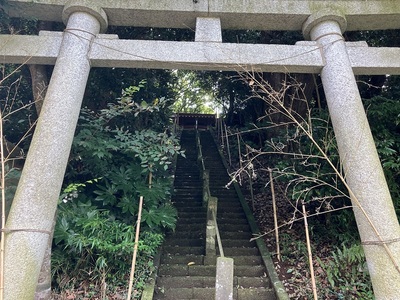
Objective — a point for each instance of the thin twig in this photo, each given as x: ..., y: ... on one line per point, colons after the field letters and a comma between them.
x: 266, y: 89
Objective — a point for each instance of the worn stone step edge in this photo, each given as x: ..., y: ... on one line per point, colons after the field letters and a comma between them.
x: 208, y: 270
x: 209, y: 293
x: 209, y: 282
x: 242, y: 260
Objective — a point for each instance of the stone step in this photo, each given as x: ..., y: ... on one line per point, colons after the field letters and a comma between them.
x: 209, y: 282
x: 232, y: 252
x: 172, y: 250
x: 234, y: 227
x: 231, y: 215
x: 182, y: 200
x: 189, y: 227
x: 186, y: 270
x: 208, y: 270
x: 184, y: 293
x: 185, y: 242
x: 186, y: 281
x: 253, y: 294
x: 196, y: 219
x: 169, y: 258
x: 229, y: 209
x: 187, y: 199
x: 189, y: 208
x: 237, y: 243
x: 245, y: 235
x: 190, y: 171
x: 209, y: 293
x: 227, y: 220
x: 190, y: 233
x: 241, y: 260
x: 188, y: 215
x: 188, y: 190
x: 233, y: 204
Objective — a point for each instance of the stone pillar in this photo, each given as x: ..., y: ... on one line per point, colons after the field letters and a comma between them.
x: 30, y: 219
x: 224, y: 278
x: 361, y: 166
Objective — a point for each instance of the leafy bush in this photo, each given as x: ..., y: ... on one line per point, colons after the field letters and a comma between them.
x: 307, y: 173
x: 347, y: 273
x: 111, y: 162
x: 93, y: 246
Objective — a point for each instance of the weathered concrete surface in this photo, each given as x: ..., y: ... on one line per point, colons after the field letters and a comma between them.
x: 224, y: 279
x: 109, y: 51
x: 208, y: 30
x: 361, y: 166
x: 234, y: 14
x: 31, y: 216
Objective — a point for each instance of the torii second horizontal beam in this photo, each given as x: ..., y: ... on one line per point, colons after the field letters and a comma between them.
x: 109, y: 51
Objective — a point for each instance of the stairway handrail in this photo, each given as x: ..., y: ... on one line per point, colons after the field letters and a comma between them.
x: 212, y: 229
x: 204, y: 173
x: 224, y: 268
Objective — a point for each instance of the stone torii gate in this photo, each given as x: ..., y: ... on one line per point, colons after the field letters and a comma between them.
x: 80, y: 47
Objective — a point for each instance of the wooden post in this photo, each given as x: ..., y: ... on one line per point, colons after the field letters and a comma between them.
x: 278, y: 251
x: 314, y: 286
x: 135, y: 248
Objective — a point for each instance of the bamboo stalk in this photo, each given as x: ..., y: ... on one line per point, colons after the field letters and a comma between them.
x: 3, y: 210
x: 278, y: 250
x: 135, y: 248
x: 310, y: 259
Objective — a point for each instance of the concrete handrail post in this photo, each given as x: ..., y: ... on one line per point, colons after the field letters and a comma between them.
x: 211, y: 232
x: 361, y: 165
x: 31, y: 216
x: 206, y: 186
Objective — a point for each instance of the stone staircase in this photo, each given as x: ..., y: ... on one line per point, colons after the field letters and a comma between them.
x: 184, y: 271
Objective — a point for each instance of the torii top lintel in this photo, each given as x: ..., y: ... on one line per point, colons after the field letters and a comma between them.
x: 234, y: 14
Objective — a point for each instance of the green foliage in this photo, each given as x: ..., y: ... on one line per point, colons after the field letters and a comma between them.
x: 347, y: 273
x: 110, y: 164
x: 4, y: 18
x: 190, y: 96
x: 90, y: 240
x: 18, y: 111
x: 309, y: 175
